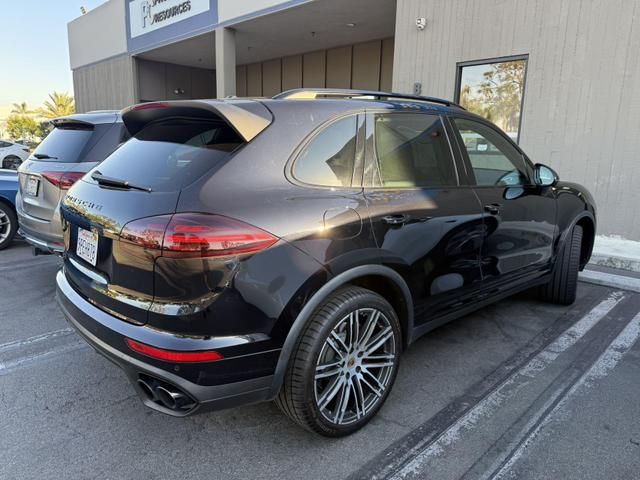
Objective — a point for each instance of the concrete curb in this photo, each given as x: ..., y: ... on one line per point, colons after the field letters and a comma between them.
x: 610, y: 280
x: 618, y: 262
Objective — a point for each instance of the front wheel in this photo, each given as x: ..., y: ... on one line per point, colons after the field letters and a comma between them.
x: 563, y: 285
x: 344, y: 364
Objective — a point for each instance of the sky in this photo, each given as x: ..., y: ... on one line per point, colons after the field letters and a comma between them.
x: 34, y: 49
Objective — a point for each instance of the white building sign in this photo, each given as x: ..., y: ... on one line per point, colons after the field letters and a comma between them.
x: 148, y: 15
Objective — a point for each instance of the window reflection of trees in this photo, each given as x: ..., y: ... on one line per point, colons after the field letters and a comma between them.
x: 497, y: 96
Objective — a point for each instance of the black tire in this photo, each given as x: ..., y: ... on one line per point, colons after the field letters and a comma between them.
x: 562, y: 287
x: 11, y: 162
x: 7, y: 214
x: 298, y: 396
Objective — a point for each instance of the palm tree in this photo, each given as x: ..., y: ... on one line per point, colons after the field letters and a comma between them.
x: 21, y: 109
x: 58, y: 105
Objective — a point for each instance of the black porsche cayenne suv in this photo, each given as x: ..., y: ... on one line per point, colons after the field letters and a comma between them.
x: 236, y: 251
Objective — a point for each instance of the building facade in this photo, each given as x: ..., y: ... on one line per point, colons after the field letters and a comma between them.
x: 562, y: 77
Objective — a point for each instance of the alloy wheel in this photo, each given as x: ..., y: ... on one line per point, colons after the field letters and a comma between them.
x: 355, y: 366
x: 5, y: 226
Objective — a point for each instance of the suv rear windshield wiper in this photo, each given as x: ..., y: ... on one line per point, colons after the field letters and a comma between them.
x: 116, y: 182
x: 44, y: 156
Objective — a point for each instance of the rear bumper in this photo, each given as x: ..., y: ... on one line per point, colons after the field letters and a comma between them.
x: 103, y: 331
x: 42, y: 234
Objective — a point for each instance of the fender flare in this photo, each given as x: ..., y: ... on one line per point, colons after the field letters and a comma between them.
x: 565, y: 233
x: 318, y: 297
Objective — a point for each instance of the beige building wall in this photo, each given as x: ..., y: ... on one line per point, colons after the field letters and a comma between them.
x: 364, y: 66
x: 581, y: 110
x: 159, y: 81
x: 109, y: 84
x: 106, y: 27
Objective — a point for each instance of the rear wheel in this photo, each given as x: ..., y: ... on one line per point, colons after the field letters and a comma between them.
x: 8, y: 225
x: 344, y: 364
x: 564, y: 281
x: 11, y: 162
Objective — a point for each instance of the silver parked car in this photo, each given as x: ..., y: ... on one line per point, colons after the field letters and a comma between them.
x: 76, y: 144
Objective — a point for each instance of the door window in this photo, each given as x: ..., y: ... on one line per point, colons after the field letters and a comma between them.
x: 328, y: 159
x: 412, y: 151
x: 495, y: 161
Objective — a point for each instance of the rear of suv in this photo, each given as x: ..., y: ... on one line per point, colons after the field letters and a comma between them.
x: 289, y: 249
x: 76, y: 144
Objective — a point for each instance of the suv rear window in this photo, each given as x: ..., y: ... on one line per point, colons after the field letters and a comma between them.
x: 64, y: 145
x: 168, y: 155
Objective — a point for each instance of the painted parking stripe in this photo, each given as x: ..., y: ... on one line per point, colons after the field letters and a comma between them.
x: 564, y: 332
x: 15, y: 363
x: 35, y: 339
x: 605, y: 363
x: 491, y: 403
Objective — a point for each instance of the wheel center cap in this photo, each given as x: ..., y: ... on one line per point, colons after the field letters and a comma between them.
x: 351, y: 363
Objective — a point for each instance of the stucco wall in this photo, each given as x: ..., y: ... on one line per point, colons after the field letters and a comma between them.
x: 582, y: 97
x: 98, y: 35
x: 365, y: 65
x: 105, y: 85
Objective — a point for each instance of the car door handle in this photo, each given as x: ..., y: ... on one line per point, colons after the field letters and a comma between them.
x: 398, y: 219
x: 492, y: 208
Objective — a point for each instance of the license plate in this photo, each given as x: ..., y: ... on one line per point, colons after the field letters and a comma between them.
x: 87, y: 246
x: 32, y: 186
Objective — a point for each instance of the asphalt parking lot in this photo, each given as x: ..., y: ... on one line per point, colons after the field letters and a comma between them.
x: 520, y: 389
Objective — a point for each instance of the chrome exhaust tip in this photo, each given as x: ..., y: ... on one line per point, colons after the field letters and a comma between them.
x: 147, y: 389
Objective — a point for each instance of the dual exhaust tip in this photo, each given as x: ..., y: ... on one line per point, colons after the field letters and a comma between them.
x: 165, y: 394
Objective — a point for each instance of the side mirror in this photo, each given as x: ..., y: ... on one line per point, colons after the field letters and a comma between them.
x: 545, y: 176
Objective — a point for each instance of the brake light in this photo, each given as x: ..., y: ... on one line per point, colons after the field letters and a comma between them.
x: 196, y: 235
x: 63, y: 180
x: 172, y: 355
x: 150, y: 106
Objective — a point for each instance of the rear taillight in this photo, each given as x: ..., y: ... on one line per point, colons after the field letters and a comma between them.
x: 190, y: 235
x: 172, y: 355
x: 64, y: 180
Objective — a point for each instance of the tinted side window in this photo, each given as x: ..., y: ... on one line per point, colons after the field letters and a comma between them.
x: 329, y: 157
x: 494, y: 160
x: 412, y: 150
x: 107, y: 137
x: 4, y: 144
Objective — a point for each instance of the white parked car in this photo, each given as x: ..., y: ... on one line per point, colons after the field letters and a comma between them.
x: 12, y: 154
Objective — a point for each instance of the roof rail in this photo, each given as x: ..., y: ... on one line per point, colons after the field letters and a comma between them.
x: 314, y: 93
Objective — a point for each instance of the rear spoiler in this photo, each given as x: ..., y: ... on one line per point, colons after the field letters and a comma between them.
x: 72, y: 123
x: 248, y: 118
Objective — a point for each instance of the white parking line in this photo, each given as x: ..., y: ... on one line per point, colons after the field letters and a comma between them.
x: 35, y: 339
x: 492, y: 402
x: 601, y: 368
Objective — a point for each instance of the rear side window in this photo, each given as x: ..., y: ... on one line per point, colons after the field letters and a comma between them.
x: 168, y: 155
x: 328, y: 159
x: 412, y: 151
x: 64, y: 145
x: 106, y: 140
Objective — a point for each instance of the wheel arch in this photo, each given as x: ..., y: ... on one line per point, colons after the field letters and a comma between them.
x: 587, y: 221
x: 381, y: 279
